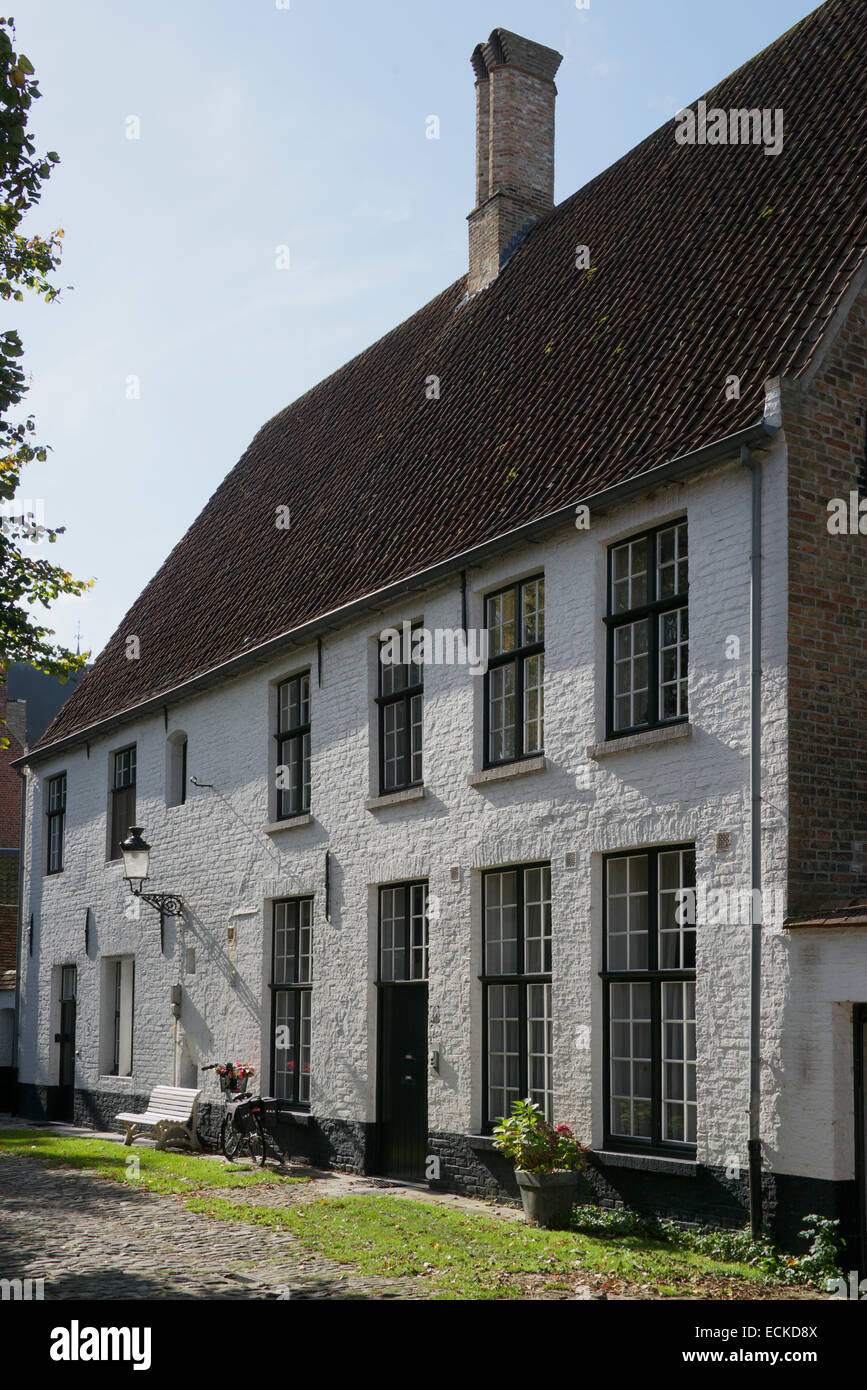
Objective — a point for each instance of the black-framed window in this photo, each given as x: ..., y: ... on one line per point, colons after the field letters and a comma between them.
x: 516, y: 986
x: 55, y: 810
x: 403, y: 932
x: 649, y: 999
x: 291, y: 997
x: 514, y: 680
x: 293, y: 746
x: 400, y: 699
x: 648, y: 630
x: 122, y: 797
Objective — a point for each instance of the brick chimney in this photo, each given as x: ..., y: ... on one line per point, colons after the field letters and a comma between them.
x: 515, y: 96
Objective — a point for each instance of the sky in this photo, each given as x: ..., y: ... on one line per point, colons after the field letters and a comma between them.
x: 249, y: 198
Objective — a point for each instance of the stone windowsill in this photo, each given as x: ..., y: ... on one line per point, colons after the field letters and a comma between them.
x: 482, y: 1142
x: 375, y: 803
x: 294, y: 1117
x: 117, y: 1080
x: 669, y: 733
x: 507, y: 771
x: 293, y: 823
x: 646, y: 1163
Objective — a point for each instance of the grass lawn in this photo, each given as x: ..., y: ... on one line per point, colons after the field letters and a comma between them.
x: 465, y: 1256
x: 156, y: 1170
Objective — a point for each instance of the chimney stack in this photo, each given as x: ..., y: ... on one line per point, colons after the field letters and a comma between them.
x: 515, y: 96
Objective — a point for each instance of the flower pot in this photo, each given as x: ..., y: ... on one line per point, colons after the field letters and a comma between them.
x: 548, y: 1198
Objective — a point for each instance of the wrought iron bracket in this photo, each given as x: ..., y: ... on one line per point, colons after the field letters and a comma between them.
x: 162, y: 903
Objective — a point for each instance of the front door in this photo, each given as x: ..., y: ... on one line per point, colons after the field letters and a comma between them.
x: 402, y: 1113
x: 66, y: 1088
x: 401, y: 1107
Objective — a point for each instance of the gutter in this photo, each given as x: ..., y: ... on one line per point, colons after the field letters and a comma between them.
x: 754, y: 1142
x: 756, y: 436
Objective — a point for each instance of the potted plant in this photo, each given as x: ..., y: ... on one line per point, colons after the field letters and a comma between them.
x: 547, y: 1159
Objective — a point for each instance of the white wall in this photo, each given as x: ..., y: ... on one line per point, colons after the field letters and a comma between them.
x: 215, y: 851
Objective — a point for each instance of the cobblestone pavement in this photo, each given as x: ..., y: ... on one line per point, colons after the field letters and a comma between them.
x: 90, y: 1239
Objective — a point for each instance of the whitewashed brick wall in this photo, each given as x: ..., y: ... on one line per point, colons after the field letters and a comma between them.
x: 214, y: 850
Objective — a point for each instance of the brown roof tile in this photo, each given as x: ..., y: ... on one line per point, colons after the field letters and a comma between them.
x: 706, y: 261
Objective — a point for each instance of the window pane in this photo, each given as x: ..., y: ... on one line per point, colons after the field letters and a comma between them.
x: 284, y: 1043
x: 540, y: 1047
x: 537, y: 920
x: 627, y: 929
x: 395, y: 746
x: 677, y: 910
x: 533, y: 601
x: 503, y: 1051
x: 678, y: 1062
x: 630, y: 674
x: 631, y: 1062
x: 501, y: 622
x: 671, y: 561
x: 501, y: 923
x: 629, y: 576
x: 673, y: 664
x: 501, y: 713
x: 534, y: 704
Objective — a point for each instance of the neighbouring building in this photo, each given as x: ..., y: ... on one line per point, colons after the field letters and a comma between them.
x: 29, y: 700
x: 416, y: 890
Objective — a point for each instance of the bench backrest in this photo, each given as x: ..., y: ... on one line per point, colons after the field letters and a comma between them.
x: 177, y: 1101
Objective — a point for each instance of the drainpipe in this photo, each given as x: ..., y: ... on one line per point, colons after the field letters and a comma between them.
x: 23, y: 845
x: 754, y: 1143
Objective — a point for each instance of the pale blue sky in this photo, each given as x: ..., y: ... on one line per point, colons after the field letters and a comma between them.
x: 262, y: 127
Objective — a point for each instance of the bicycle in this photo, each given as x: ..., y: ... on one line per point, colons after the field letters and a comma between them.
x: 241, y: 1130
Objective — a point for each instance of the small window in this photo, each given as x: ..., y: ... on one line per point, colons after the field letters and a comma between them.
x: 400, y: 698
x: 122, y: 798
x: 514, y: 681
x: 293, y: 747
x: 291, y: 988
x: 648, y: 630
x: 403, y: 932
x: 176, y: 769
x: 517, y: 989
x: 118, y: 1007
x: 56, y: 820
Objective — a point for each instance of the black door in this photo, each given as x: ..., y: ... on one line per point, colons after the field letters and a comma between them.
x: 402, y: 1090
x: 860, y: 1071
x: 66, y: 1088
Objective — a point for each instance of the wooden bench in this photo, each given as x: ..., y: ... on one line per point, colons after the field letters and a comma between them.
x: 172, y: 1113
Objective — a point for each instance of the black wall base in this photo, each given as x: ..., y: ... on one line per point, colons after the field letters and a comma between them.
x: 690, y: 1193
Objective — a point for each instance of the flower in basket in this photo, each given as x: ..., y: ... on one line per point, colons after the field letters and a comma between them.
x: 534, y: 1144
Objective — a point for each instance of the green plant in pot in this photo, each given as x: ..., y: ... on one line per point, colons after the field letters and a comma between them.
x: 548, y: 1160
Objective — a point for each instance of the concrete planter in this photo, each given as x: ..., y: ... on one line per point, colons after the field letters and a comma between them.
x: 548, y: 1198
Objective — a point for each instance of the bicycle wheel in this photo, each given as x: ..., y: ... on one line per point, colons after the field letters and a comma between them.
x: 230, y: 1137
x: 254, y: 1140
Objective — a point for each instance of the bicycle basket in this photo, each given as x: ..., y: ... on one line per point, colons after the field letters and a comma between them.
x: 233, y: 1082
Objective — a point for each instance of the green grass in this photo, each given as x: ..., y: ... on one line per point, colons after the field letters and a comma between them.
x: 468, y: 1256
x: 156, y: 1170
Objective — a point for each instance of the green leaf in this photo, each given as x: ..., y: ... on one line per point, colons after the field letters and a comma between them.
x: 25, y: 64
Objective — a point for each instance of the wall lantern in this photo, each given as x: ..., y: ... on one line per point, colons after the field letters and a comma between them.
x: 136, y: 864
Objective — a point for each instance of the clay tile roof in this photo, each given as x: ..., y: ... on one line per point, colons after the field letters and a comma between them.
x: 555, y: 382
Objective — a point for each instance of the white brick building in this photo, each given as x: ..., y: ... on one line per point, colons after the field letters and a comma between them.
x: 406, y: 1061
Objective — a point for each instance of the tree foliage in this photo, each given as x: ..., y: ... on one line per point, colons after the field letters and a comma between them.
x: 26, y: 263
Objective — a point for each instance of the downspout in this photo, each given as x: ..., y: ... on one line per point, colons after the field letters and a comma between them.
x: 23, y: 844
x: 754, y: 1143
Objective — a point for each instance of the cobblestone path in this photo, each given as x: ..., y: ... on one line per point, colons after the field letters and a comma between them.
x: 93, y: 1239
